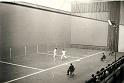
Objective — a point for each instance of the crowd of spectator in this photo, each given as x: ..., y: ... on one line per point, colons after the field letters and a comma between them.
x: 103, y: 73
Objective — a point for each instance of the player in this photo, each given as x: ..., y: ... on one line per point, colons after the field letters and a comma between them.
x: 63, y: 54
x: 71, y: 70
x: 103, y: 57
x: 54, y: 52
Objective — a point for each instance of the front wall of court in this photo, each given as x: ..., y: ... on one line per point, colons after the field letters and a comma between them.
x: 89, y: 32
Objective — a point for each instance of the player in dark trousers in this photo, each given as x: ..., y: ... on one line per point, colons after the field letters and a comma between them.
x: 103, y: 57
x: 70, y: 69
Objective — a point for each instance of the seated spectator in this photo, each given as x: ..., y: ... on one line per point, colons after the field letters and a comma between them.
x: 92, y: 79
x: 106, y: 72
x: 102, y: 73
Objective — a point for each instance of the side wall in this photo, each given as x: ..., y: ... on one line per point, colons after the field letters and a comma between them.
x: 26, y: 26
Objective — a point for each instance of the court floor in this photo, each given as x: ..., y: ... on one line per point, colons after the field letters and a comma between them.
x: 43, y: 68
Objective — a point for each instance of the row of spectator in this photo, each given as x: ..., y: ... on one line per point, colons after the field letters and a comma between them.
x: 105, y: 72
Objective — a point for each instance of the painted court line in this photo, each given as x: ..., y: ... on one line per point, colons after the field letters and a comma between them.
x: 53, y: 75
x: 57, y: 55
x: 44, y: 53
x: 73, y: 57
x: 20, y: 65
x: 52, y: 68
x: 41, y: 53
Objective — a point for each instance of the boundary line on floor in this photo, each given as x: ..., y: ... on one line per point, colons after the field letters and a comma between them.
x: 20, y: 65
x: 52, y: 68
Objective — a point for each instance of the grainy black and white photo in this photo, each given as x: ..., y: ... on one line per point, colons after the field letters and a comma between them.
x: 61, y: 41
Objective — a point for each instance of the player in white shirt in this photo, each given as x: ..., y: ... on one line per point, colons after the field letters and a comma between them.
x: 55, y: 52
x: 63, y: 54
